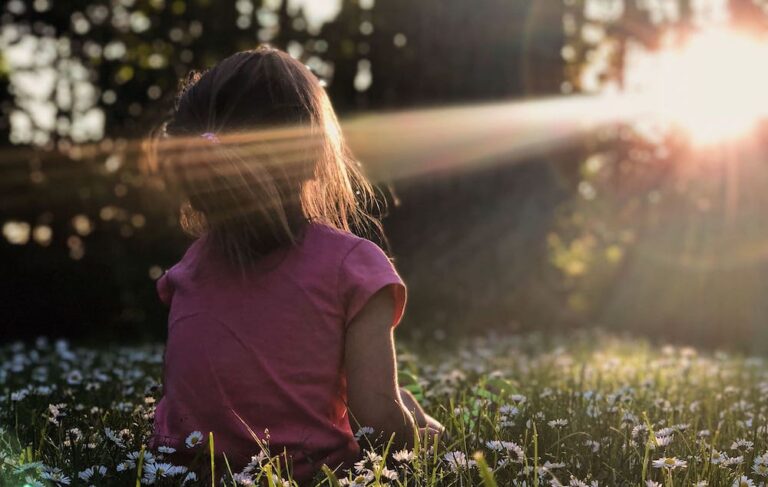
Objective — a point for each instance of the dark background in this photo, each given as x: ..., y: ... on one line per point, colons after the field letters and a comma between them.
x: 480, y: 249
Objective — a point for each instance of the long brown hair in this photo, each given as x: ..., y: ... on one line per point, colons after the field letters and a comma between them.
x: 254, y: 150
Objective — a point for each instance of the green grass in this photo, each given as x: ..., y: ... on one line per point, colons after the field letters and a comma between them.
x: 583, y: 409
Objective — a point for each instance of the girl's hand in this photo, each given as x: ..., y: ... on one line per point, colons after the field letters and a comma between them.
x: 427, y: 436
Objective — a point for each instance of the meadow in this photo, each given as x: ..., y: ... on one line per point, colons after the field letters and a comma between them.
x: 583, y: 409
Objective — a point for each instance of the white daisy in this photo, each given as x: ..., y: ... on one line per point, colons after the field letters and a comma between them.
x: 558, y: 423
x: 742, y: 445
x: 743, y: 481
x: 458, y: 460
x: 243, y: 479
x: 364, y: 431
x: 194, y: 439
x: 670, y: 463
x: 403, y: 456
x: 56, y: 476
x: 87, y: 474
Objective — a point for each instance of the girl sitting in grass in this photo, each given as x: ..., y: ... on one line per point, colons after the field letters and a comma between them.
x: 281, y: 319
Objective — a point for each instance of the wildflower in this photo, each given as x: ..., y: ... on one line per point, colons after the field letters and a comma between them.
x: 359, y: 481
x: 718, y: 457
x: 364, y: 431
x: 159, y: 469
x: 508, y: 410
x: 593, y: 445
x: 388, y: 474
x: 670, y: 463
x: 56, y: 476
x: 255, y: 463
x: 558, y: 423
x: 373, y: 457
x: 762, y: 459
x: 742, y: 445
x: 55, y: 412
x: 458, y: 460
x: 743, y: 481
x: 651, y: 483
x: 19, y: 395
x: 628, y: 417
x: 194, y: 439
x: 506, y: 446
x: 154, y: 471
x: 74, y: 377
x: 75, y: 434
x: 495, y: 445
x: 280, y: 482
x: 87, y: 474
x: 574, y: 482
x: 166, y: 449
x: 760, y: 469
x: 361, y: 466
x: 243, y: 479
x: 733, y: 461
x: 133, y: 458
x: 663, y: 440
x: 191, y: 477
x: 118, y: 438
x: 403, y: 456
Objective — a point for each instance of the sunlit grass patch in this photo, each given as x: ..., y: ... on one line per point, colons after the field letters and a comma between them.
x: 582, y: 409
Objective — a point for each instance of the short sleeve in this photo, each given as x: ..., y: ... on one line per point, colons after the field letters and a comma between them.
x: 364, y: 271
x: 165, y: 289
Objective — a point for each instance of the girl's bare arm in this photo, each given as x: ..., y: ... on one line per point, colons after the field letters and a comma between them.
x: 423, y: 420
x: 374, y: 398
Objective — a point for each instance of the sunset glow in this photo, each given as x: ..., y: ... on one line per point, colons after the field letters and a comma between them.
x: 713, y: 87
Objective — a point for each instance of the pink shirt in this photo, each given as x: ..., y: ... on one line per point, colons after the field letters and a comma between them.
x: 269, y: 349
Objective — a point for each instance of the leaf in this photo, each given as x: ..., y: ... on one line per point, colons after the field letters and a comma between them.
x: 410, y: 383
x: 501, y: 387
x: 332, y: 480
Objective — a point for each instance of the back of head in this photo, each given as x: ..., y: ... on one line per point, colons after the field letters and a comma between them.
x: 254, y: 150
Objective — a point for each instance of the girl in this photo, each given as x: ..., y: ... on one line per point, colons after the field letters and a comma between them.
x: 280, y: 319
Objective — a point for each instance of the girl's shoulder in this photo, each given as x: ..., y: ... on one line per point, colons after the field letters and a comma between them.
x: 190, y: 262
x: 334, y: 246
x: 341, y: 248
x: 320, y: 234
x: 361, y: 269
x: 168, y: 281
x: 192, y: 254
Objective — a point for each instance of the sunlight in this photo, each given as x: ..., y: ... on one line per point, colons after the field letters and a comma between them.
x: 393, y: 145
x: 713, y: 87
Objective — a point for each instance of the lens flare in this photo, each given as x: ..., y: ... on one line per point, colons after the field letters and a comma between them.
x: 713, y: 86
